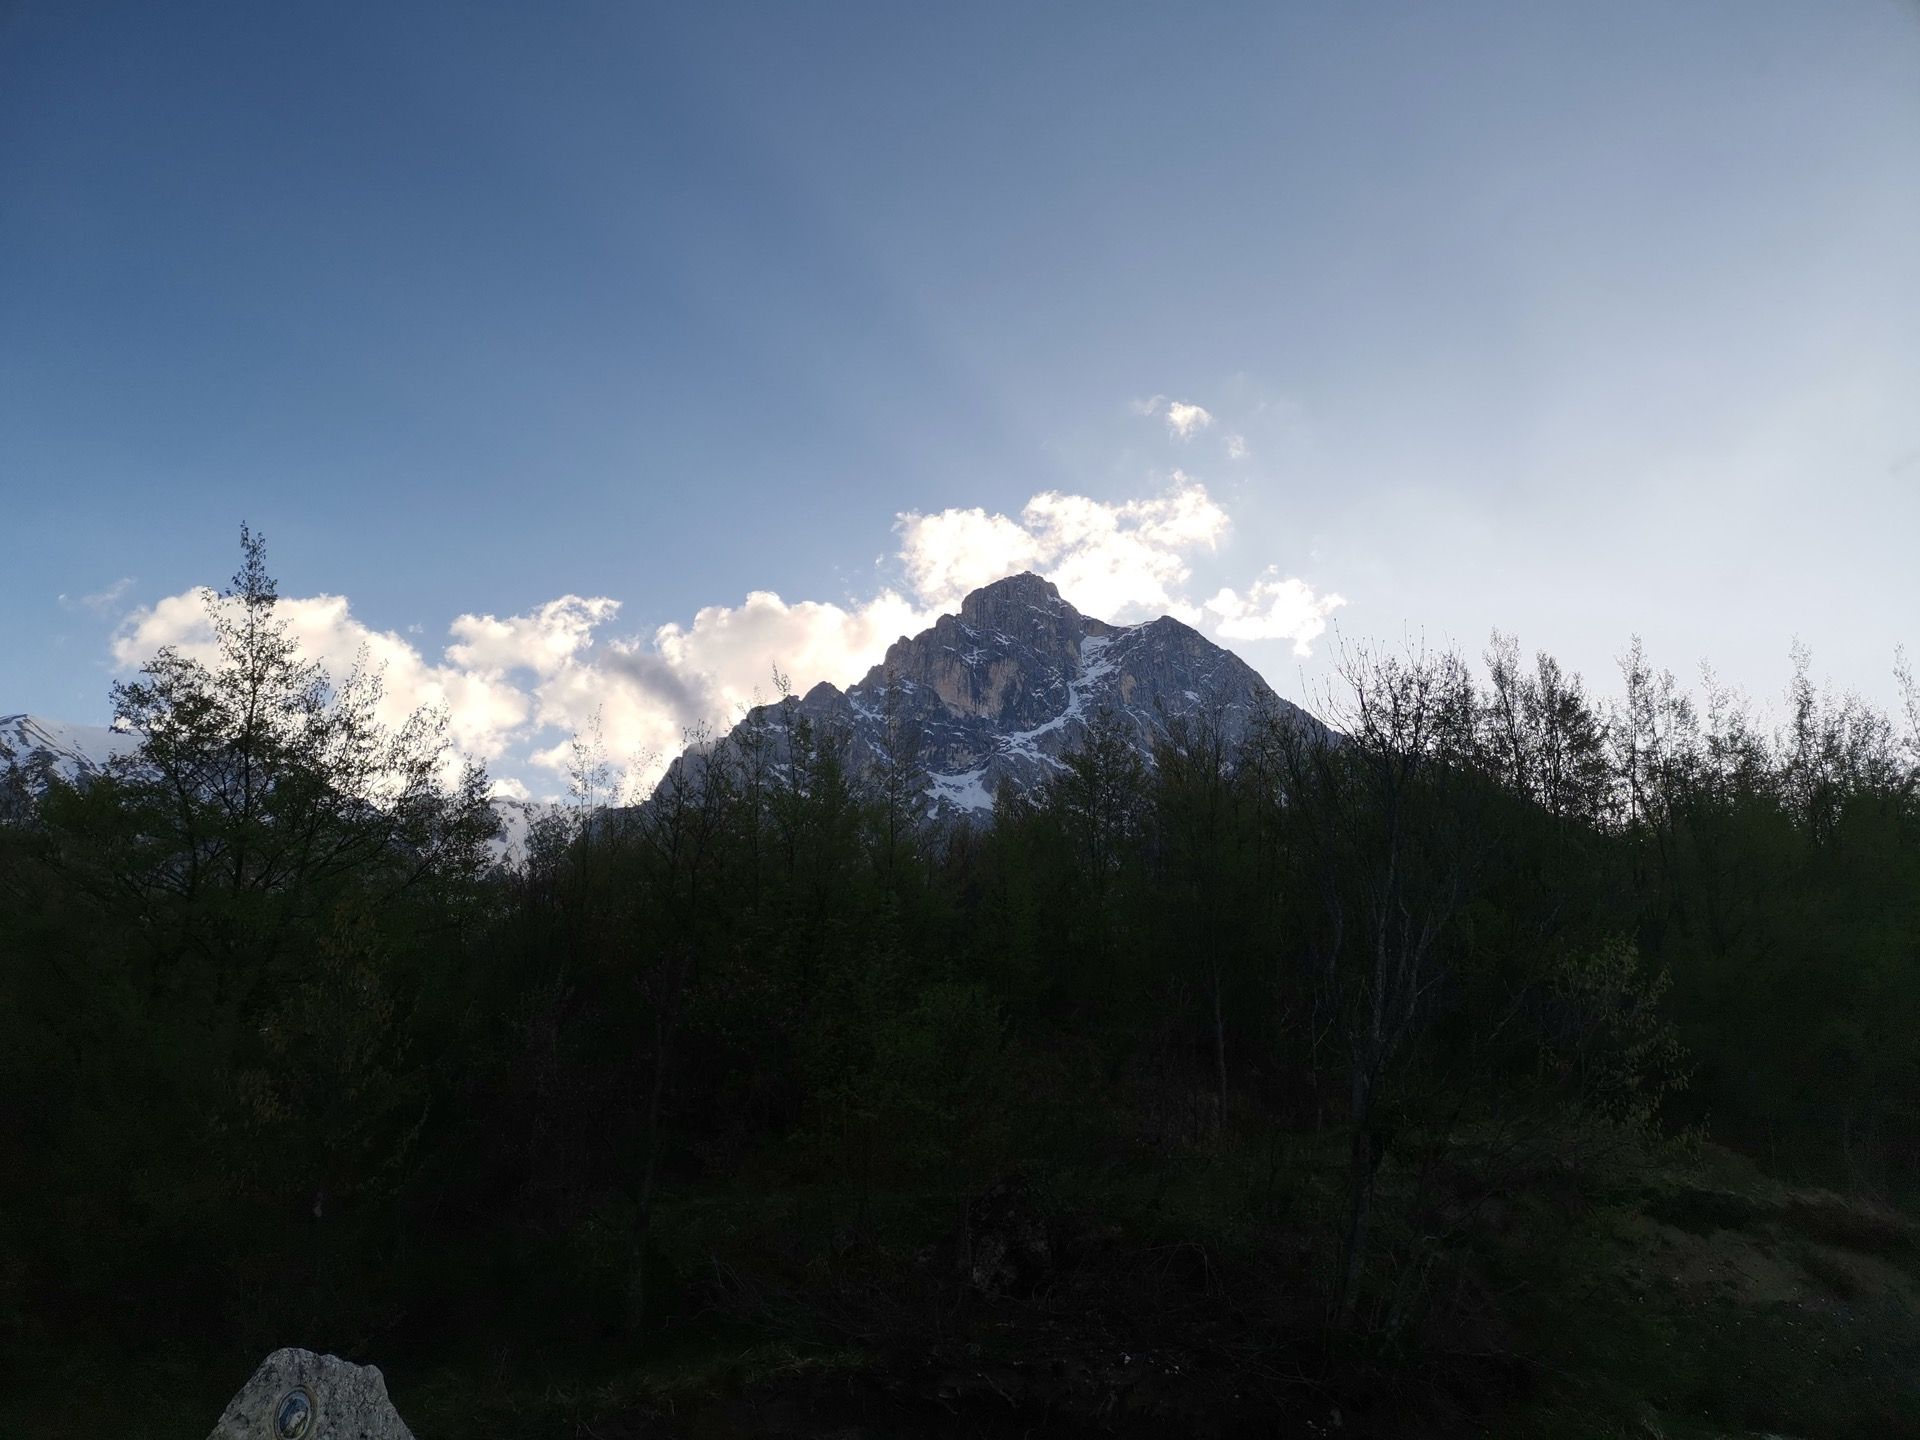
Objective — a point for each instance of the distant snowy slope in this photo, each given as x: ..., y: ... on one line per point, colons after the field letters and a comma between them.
x: 35, y: 745
x: 517, y: 819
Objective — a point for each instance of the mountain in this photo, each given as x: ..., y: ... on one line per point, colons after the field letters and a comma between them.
x: 517, y: 821
x: 994, y: 696
x: 48, y: 747
x: 997, y: 694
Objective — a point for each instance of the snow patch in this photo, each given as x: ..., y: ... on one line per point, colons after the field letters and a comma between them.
x: 965, y: 791
x: 71, y: 750
x: 1095, y: 667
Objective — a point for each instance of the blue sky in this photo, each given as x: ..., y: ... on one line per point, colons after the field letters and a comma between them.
x: 1577, y: 320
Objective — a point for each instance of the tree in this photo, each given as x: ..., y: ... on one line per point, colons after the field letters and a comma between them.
x: 237, y: 930
x: 260, y: 791
x: 1540, y: 736
x: 1203, y: 837
x: 680, y: 841
x: 899, y: 780
x: 1099, y: 795
x: 1383, y: 808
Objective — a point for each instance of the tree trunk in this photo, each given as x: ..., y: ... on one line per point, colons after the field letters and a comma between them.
x: 1219, y: 1058
x: 1363, y: 1164
x: 643, y: 1198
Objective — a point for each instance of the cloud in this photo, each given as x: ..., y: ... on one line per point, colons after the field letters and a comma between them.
x: 516, y: 688
x: 1185, y: 421
x: 543, y: 641
x: 484, y: 709
x: 1236, y: 446
x: 102, y: 601
x: 1274, y: 609
x: 1128, y: 561
x: 1117, y: 561
x: 732, y: 650
x: 953, y: 552
x: 1184, y: 418
x: 650, y: 691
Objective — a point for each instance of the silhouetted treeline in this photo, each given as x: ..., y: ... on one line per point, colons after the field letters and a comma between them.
x: 282, y: 1055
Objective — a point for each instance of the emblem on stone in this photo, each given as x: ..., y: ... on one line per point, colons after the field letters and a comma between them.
x: 298, y: 1395
x: 293, y: 1415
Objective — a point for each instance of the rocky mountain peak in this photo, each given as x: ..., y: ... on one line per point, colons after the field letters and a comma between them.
x: 1007, y: 598
x: 997, y: 694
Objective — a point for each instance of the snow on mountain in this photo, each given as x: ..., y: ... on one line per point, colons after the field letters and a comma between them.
x: 517, y: 819
x: 73, y: 752
x: 997, y: 694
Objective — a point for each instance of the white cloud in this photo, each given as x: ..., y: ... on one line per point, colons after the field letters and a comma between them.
x: 1184, y: 418
x: 102, y: 601
x: 731, y: 651
x: 1118, y: 561
x: 1184, y: 421
x: 1274, y: 609
x: 955, y: 551
x: 542, y: 642
x: 1236, y: 446
x: 517, y: 688
x: 509, y: 685
x: 1127, y: 561
x: 647, y: 692
x: 484, y: 709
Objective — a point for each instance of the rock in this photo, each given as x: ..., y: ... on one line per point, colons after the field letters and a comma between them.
x: 1005, y: 1245
x: 298, y: 1395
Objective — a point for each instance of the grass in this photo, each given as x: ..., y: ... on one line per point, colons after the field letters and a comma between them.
x: 1712, y: 1311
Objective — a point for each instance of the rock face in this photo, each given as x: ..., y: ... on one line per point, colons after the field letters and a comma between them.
x: 995, y: 695
x: 298, y: 1395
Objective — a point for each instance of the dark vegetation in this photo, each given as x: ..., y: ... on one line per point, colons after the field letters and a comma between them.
x: 1380, y: 1085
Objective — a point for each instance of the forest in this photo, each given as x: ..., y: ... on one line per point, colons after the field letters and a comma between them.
x: 1508, y: 1056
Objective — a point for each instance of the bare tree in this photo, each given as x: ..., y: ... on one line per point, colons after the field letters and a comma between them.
x: 1381, y: 810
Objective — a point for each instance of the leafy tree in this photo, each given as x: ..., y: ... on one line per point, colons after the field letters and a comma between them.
x: 260, y: 793
x: 899, y: 782
x: 253, y: 896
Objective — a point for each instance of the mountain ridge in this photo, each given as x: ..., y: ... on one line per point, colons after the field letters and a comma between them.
x: 997, y: 693
x: 73, y: 752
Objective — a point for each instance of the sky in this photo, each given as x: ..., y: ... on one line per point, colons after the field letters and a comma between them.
x: 600, y: 358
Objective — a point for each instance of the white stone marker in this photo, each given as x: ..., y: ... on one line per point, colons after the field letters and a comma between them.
x: 298, y: 1395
